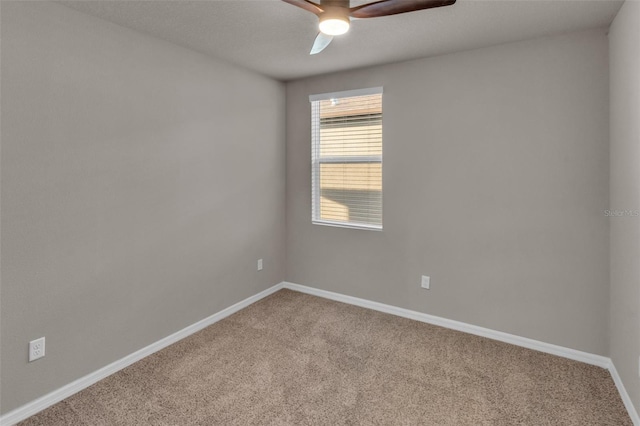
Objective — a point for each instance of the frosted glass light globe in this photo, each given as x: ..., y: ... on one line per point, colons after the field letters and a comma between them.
x: 334, y: 25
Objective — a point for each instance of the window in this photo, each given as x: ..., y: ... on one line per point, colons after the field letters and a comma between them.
x: 347, y: 158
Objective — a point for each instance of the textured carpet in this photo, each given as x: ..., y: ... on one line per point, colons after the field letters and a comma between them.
x: 295, y: 359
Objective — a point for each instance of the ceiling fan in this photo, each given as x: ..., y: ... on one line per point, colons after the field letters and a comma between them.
x: 334, y: 15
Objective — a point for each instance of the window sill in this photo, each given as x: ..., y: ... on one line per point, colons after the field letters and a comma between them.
x: 347, y: 225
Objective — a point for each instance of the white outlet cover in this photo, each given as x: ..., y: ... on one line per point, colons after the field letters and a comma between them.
x: 36, y: 349
x: 259, y: 264
x: 426, y: 282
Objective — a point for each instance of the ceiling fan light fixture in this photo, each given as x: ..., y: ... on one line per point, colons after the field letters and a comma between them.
x: 334, y: 15
x: 333, y: 24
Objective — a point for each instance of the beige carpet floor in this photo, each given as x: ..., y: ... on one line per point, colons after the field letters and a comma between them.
x: 295, y: 359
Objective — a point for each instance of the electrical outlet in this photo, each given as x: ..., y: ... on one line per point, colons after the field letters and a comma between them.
x: 639, y: 366
x: 36, y: 349
x: 425, y: 282
x: 259, y: 264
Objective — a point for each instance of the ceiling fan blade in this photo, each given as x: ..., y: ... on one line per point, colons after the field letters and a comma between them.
x: 322, y: 41
x: 306, y: 5
x: 393, y: 7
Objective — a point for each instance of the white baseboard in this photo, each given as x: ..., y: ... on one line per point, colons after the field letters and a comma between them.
x: 625, y: 396
x: 35, y: 406
x: 27, y: 410
x: 576, y: 355
x: 597, y: 360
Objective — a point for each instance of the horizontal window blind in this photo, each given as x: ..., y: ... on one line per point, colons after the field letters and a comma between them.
x: 347, y: 158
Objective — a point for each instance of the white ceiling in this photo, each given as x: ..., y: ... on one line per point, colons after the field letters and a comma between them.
x: 274, y: 38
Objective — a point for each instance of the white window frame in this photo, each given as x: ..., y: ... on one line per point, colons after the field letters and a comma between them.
x: 316, y: 160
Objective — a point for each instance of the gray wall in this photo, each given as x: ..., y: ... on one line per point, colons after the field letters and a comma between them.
x: 624, y: 57
x: 496, y: 175
x: 140, y: 184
